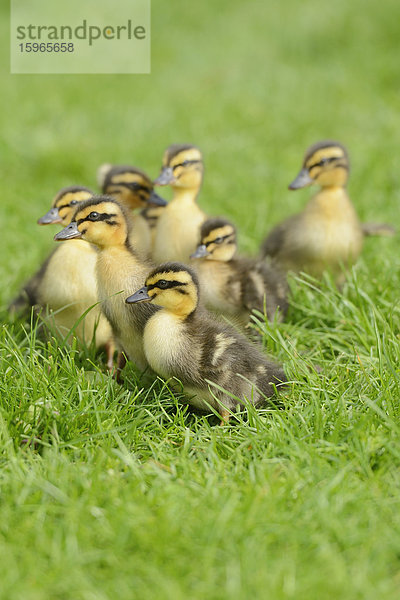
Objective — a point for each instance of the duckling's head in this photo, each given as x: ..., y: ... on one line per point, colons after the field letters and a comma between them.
x: 217, y: 241
x: 101, y: 220
x: 65, y: 204
x: 173, y: 286
x: 129, y: 185
x: 325, y: 163
x: 182, y: 167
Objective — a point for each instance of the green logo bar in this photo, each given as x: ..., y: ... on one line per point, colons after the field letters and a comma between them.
x: 95, y: 36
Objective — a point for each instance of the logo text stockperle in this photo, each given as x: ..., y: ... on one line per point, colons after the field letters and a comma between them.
x: 81, y: 32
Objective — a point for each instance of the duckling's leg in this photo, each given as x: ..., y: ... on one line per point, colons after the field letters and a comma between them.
x: 225, y: 416
x: 121, y: 362
x: 110, y: 349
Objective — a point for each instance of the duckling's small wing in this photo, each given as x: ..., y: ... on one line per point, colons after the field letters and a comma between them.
x: 20, y: 303
x: 29, y: 294
x: 266, y: 284
x: 378, y: 229
x: 274, y: 241
x: 274, y: 376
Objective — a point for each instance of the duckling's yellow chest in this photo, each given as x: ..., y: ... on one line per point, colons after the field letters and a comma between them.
x: 172, y: 353
x: 177, y: 231
x: 164, y: 343
x: 220, y: 290
x: 332, y: 230
x: 69, y: 288
x: 70, y: 275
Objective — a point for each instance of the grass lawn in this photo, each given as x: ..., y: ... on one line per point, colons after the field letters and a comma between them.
x: 111, y: 491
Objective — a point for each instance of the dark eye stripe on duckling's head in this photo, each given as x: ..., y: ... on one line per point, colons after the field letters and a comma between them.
x: 129, y: 185
x: 64, y: 204
x: 218, y: 231
x: 326, y: 163
x: 178, y: 155
x: 101, y: 220
x: 217, y: 241
x: 326, y: 154
x: 99, y: 208
x: 180, y: 160
x: 94, y: 216
x: 72, y: 196
x: 129, y: 177
x: 172, y: 286
x: 98, y: 212
x: 171, y: 276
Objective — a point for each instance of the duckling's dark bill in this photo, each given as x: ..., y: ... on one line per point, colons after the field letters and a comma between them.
x: 139, y: 296
x: 200, y: 252
x: 156, y: 200
x: 68, y: 233
x: 165, y: 177
x: 302, y: 179
x: 52, y: 216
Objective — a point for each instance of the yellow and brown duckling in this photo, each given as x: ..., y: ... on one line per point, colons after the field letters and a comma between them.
x: 120, y: 270
x: 327, y: 234
x: 235, y: 285
x: 134, y: 189
x: 183, y: 341
x: 178, y: 226
x: 65, y: 285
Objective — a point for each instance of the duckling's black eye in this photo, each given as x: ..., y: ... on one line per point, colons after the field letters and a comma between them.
x: 73, y: 202
x: 93, y: 216
x: 323, y: 161
x: 163, y: 284
x: 219, y: 240
x: 185, y: 163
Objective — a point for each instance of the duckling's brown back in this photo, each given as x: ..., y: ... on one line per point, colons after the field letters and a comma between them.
x: 229, y: 360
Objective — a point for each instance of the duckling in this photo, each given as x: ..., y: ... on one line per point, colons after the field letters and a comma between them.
x: 65, y: 285
x: 102, y: 221
x: 64, y: 199
x: 328, y: 233
x: 178, y: 227
x: 232, y: 284
x: 183, y: 340
x: 134, y: 189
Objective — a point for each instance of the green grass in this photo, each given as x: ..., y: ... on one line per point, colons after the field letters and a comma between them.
x: 111, y: 491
